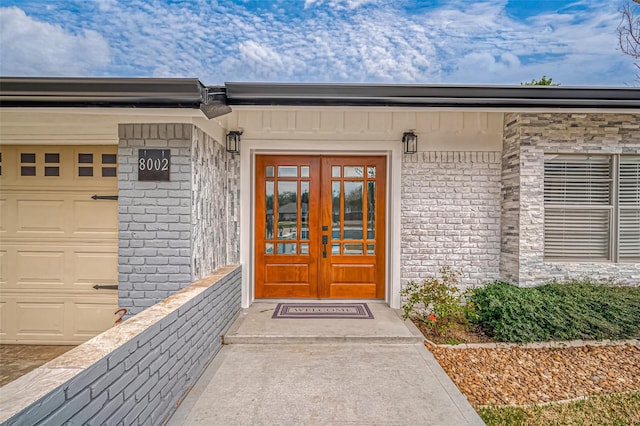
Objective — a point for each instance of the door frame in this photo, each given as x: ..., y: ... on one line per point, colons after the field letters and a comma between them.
x: 320, y: 272
x: 391, y: 149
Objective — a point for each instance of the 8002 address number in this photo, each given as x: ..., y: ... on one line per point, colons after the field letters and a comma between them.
x: 158, y: 164
x: 154, y: 164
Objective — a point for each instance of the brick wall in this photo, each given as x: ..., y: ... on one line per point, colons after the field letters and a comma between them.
x: 527, y: 137
x: 172, y: 233
x: 450, y: 215
x: 136, y: 372
x: 154, y: 218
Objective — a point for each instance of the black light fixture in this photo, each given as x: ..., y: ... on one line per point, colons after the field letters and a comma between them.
x: 233, y: 142
x: 410, y: 142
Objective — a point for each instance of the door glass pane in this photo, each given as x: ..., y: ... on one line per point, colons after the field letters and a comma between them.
x: 371, y: 171
x: 304, y: 171
x: 371, y: 249
x: 304, y: 210
x: 287, y: 171
x: 269, y: 171
x: 287, y: 248
x: 353, y: 171
x: 335, y: 171
x: 335, y: 210
x: 371, y: 210
x: 304, y: 248
x: 335, y: 249
x: 268, y: 248
x: 269, y: 211
x: 353, y: 205
x: 352, y: 249
x: 287, y: 211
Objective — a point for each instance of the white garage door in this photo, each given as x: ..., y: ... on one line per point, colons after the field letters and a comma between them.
x: 57, y: 243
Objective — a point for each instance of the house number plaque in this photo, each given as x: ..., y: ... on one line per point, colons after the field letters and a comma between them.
x: 154, y: 164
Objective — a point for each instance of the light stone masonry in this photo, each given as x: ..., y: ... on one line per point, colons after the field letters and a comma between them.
x: 215, y: 209
x: 527, y: 137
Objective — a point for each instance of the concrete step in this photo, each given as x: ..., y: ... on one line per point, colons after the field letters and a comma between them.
x: 238, y: 339
x: 255, y: 325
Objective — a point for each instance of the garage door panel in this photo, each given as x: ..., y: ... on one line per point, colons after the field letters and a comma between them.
x: 95, y: 217
x: 40, y: 268
x: 95, y: 267
x: 3, y: 321
x: 4, y: 215
x: 57, y: 243
x: 4, y: 256
x: 92, y: 318
x: 40, y: 319
x: 64, y: 319
x: 41, y: 216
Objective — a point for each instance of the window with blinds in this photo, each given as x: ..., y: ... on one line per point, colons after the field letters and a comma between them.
x: 629, y: 202
x: 588, y: 198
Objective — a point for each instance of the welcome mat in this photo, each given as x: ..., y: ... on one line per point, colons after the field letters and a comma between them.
x: 323, y: 310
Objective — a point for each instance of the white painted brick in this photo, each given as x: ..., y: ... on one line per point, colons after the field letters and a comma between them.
x: 449, y: 207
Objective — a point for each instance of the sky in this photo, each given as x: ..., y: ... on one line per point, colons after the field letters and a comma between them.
x: 497, y: 42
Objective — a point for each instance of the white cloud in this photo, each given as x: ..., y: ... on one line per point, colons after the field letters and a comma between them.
x: 484, y: 45
x: 330, y: 41
x: 106, y: 5
x: 32, y: 48
x: 339, y: 4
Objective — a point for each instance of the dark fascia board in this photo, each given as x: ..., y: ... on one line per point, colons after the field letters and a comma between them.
x: 215, y: 100
x: 279, y: 94
x: 102, y: 92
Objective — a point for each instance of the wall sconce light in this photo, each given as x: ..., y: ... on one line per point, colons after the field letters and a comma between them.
x: 410, y: 142
x: 233, y: 142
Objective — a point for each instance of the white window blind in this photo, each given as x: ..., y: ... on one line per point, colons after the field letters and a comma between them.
x: 629, y: 202
x: 578, y: 207
x: 587, y: 198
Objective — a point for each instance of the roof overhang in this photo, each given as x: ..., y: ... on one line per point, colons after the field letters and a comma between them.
x: 444, y: 96
x: 113, y: 92
x: 215, y: 101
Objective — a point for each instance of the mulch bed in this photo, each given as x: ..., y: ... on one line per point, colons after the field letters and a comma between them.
x: 518, y: 376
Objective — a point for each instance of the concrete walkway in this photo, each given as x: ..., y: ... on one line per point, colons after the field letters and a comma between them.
x: 324, y: 372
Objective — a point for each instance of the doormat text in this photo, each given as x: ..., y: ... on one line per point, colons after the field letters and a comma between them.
x: 323, y: 310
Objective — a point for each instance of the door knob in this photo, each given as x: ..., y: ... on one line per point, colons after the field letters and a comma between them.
x: 325, y: 240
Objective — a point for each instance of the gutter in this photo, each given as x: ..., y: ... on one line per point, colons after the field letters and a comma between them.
x: 215, y: 101
x: 278, y: 94
x: 113, y: 92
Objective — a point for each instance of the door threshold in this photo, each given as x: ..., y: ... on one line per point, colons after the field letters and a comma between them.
x: 381, y: 301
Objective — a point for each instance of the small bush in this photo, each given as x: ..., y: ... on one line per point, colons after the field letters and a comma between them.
x: 436, y: 302
x: 555, y: 311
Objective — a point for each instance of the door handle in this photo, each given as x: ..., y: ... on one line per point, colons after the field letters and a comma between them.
x: 325, y: 240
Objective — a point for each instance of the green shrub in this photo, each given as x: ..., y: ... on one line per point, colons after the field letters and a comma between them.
x: 436, y: 302
x: 556, y: 311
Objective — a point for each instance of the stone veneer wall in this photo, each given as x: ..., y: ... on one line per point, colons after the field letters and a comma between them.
x: 215, y: 205
x: 136, y: 372
x: 510, y: 195
x: 527, y: 137
x: 172, y: 233
x: 450, y: 215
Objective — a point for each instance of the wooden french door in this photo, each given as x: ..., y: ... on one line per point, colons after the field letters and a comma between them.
x: 320, y: 226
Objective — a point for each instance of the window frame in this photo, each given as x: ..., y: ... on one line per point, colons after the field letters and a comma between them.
x: 553, y: 187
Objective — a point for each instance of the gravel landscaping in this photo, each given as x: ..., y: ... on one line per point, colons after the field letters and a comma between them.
x: 518, y: 376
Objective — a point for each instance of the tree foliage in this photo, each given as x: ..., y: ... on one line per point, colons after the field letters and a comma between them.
x: 629, y: 31
x: 544, y: 81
